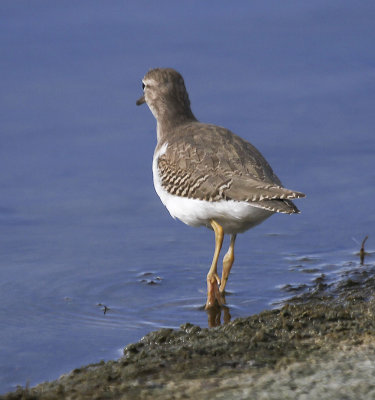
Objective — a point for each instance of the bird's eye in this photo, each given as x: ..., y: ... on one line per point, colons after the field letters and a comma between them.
x: 143, y: 86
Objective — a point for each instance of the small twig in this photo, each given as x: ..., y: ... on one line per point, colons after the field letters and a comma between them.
x: 362, y: 252
x: 105, y: 308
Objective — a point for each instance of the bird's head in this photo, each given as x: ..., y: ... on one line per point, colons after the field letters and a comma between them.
x: 165, y: 93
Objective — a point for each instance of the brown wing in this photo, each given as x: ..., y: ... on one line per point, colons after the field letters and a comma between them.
x: 210, y: 163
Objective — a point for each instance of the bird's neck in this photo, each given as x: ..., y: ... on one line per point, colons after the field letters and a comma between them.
x: 168, y: 122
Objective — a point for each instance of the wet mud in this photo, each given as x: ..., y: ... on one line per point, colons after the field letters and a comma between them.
x: 319, y: 344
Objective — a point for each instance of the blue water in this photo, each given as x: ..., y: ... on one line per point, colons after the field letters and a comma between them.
x: 80, y: 224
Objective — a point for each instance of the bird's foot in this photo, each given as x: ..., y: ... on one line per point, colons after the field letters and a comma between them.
x: 222, y: 286
x: 214, y: 296
x: 214, y: 277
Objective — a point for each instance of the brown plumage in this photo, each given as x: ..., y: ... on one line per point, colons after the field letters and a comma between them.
x: 211, y: 163
x: 207, y: 175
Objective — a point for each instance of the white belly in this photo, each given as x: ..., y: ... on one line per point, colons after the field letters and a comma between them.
x: 233, y: 216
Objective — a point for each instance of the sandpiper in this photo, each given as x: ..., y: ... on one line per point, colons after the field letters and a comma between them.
x: 206, y: 175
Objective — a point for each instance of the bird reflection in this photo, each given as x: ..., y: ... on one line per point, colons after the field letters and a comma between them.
x: 214, y: 314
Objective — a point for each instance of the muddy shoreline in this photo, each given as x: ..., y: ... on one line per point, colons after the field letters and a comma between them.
x: 321, y: 344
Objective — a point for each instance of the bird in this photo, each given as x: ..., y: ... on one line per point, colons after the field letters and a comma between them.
x: 205, y: 175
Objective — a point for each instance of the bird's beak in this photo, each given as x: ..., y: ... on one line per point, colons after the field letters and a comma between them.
x: 140, y: 101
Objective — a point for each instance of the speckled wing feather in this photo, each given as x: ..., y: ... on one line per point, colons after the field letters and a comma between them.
x: 211, y: 163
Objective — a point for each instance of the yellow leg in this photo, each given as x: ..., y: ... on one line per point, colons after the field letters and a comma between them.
x: 213, y: 280
x: 227, y: 263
